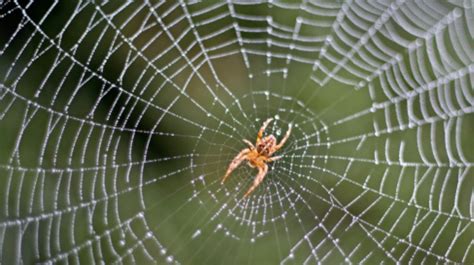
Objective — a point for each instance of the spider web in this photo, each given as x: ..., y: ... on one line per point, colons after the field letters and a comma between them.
x: 119, y: 119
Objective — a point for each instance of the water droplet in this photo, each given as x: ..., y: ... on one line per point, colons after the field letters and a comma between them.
x: 196, y: 234
x: 169, y: 259
x: 163, y: 251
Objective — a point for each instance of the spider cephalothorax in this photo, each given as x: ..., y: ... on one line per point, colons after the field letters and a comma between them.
x: 259, y: 155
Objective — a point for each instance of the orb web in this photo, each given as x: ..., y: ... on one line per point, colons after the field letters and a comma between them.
x: 119, y: 120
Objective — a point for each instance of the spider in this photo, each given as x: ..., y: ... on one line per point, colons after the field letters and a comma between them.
x: 258, y: 156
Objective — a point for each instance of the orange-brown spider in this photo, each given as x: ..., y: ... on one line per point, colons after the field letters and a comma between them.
x: 258, y: 156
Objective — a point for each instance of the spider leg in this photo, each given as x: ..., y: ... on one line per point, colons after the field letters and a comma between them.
x: 283, y: 141
x: 262, y: 129
x: 274, y: 158
x: 235, y: 163
x: 252, y: 147
x: 262, y: 171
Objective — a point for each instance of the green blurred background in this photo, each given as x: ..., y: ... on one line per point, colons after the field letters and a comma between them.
x: 118, y: 120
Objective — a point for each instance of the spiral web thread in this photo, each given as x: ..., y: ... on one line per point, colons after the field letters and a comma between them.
x: 118, y: 121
